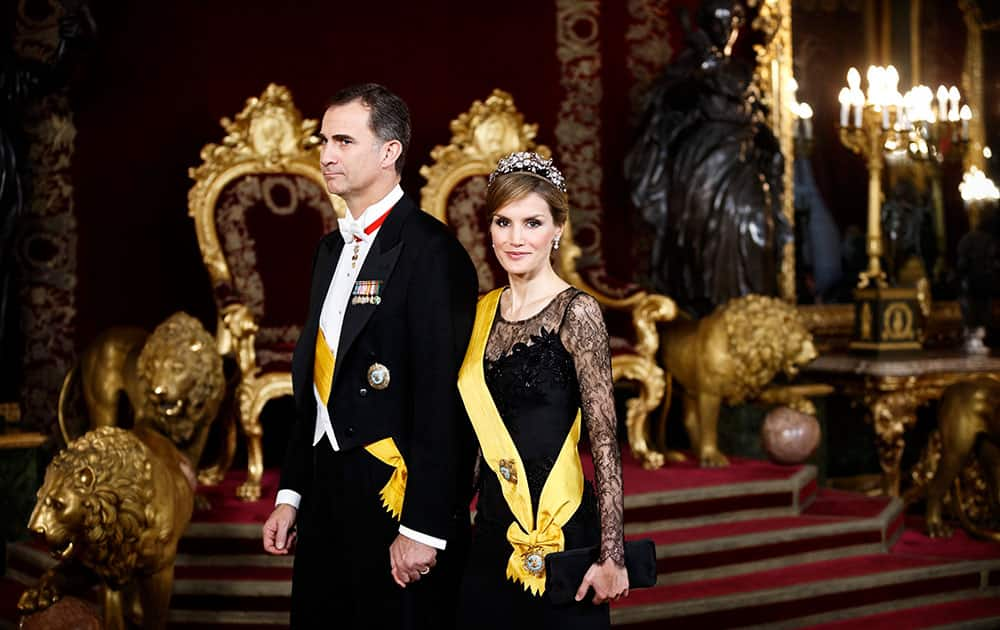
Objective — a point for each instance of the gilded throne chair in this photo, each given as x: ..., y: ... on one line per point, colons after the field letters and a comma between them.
x: 455, y: 194
x: 259, y: 203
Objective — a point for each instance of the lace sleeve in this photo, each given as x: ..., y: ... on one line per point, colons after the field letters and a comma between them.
x: 585, y: 336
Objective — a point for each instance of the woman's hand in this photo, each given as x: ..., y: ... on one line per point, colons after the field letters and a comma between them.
x: 610, y: 582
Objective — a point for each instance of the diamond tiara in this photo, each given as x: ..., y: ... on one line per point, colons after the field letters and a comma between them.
x: 531, y: 163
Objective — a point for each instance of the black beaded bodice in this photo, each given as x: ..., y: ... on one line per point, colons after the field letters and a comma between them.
x: 539, y: 371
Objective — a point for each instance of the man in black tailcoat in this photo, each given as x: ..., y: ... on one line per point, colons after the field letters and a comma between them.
x: 377, y: 478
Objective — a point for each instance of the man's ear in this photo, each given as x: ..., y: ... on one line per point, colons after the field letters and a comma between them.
x: 391, y: 151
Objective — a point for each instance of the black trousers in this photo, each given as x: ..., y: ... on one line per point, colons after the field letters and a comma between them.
x: 342, y: 576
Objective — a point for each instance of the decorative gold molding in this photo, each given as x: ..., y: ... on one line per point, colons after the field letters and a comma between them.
x: 771, y: 76
x: 972, y: 84
x: 479, y: 138
x: 268, y: 136
x: 652, y: 382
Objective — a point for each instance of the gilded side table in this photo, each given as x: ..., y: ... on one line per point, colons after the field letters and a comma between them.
x: 892, y: 386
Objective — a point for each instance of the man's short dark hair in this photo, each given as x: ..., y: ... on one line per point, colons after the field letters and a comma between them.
x: 388, y: 118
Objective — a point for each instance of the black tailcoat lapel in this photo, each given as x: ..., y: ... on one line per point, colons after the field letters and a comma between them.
x: 326, y: 265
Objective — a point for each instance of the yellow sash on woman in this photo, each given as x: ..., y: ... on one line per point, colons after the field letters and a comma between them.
x: 384, y: 450
x: 531, y: 539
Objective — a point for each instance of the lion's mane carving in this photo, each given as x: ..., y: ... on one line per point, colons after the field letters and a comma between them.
x: 181, y: 371
x: 173, y: 381
x: 116, y: 502
x: 731, y: 355
x: 764, y: 336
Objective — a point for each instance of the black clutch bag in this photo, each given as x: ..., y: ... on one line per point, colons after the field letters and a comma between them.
x: 564, y: 570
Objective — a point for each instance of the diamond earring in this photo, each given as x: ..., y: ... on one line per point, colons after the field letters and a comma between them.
x: 555, y: 242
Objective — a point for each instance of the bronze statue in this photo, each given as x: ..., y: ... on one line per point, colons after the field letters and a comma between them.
x: 114, y: 503
x: 172, y: 380
x: 969, y: 428
x: 706, y: 170
x: 730, y: 356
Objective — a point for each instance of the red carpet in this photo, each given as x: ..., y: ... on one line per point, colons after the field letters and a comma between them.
x: 753, y: 544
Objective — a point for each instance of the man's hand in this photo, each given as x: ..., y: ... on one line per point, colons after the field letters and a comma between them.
x: 279, y: 530
x: 410, y: 559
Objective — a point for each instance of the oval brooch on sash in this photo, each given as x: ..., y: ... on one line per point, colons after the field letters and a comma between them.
x: 378, y: 376
x: 534, y: 561
x: 508, y: 470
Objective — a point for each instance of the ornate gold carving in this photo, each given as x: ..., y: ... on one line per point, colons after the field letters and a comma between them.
x: 117, y: 502
x: 730, y: 356
x: 652, y: 383
x: 897, y: 321
x: 480, y: 137
x: 772, y: 75
x: 269, y: 137
x: 653, y: 308
x: 172, y: 379
x: 893, y: 400
x: 972, y: 84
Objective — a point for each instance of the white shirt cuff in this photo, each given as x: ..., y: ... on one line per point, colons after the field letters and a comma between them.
x: 289, y: 497
x: 430, y: 541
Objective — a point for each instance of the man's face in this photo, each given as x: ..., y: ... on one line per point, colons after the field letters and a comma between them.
x: 351, y: 156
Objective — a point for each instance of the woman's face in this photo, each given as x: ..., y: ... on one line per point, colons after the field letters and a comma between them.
x: 522, y: 233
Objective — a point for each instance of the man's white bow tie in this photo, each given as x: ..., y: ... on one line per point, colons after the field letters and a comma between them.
x: 352, y: 230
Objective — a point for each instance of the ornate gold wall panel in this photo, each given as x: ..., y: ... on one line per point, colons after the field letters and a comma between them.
x: 972, y: 84
x: 772, y: 75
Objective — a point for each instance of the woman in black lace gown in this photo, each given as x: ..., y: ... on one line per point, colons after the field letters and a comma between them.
x: 543, y: 359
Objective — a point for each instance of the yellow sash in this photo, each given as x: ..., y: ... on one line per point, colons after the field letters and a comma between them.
x: 531, y: 539
x: 384, y: 450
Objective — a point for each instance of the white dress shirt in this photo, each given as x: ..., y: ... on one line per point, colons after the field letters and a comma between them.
x: 331, y: 320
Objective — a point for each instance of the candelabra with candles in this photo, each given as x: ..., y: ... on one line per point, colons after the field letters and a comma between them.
x: 875, y: 125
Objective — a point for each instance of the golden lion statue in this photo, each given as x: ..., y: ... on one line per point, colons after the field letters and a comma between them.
x: 968, y: 434
x: 115, y: 502
x: 172, y: 380
x: 730, y: 356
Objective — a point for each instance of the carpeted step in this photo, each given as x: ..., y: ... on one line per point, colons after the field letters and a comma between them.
x: 834, y: 526
x: 789, y: 595
x: 978, y: 609
x: 685, y: 495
